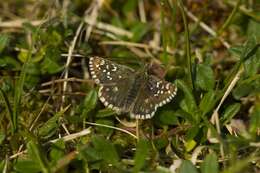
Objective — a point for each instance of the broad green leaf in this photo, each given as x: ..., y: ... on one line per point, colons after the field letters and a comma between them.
x: 37, y: 156
x: 168, y: 117
x: 239, y: 165
x: 192, y: 132
x: 160, y: 143
x: 188, y: 104
x: 106, y: 150
x: 236, y: 50
x: 253, y: 28
x: 189, y: 145
x: 204, y: 77
x: 249, y: 48
x: 57, y: 151
x: 187, y: 167
x: 246, y: 88
x: 50, y: 63
x: 210, y: 164
x: 90, y: 102
x: 10, y: 63
x: 230, y: 112
x: 142, y: 151
x: 255, y: 120
x: 252, y: 64
x: 27, y: 166
x: 105, y: 130
x: 207, y: 102
x: 105, y: 113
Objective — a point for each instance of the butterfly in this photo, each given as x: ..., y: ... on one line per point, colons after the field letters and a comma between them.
x: 126, y: 90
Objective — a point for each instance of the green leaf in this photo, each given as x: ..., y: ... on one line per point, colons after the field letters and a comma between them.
x: 50, y: 127
x: 142, y: 151
x: 187, y: 167
x: 106, y: 150
x: 168, y: 117
x: 90, y: 102
x: 188, y: 104
x: 255, y: 120
x: 210, y: 164
x: 105, y: 130
x: 189, y: 145
x: 129, y: 6
x: 2, y: 137
x: 105, y: 113
x: 37, y: 156
x: 57, y: 151
x: 246, y: 87
x: 192, y: 132
x: 236, y: 50
x: 207, y: 102
x: 230, y: 112
x: 51, y: 60
x: 204, y: 77
x: 27, y: 166
x: 252, y: 64
x: 249, y: 48
x: 4, y: 40
x: 10, y: 63
x: 161, y: 143
x: 253, y: 28
x: 139, y: 30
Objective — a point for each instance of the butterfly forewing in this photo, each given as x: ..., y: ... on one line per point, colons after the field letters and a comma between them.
x: 106, y: 72
x: 153, y: 94
x: 115, y: 81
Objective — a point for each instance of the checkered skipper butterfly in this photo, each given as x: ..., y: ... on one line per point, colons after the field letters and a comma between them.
x: 128, y: 91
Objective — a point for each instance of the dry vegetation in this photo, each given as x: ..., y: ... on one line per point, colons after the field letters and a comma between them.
x: 52, y: 121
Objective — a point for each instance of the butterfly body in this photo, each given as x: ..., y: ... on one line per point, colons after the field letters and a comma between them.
x: 128, y: 91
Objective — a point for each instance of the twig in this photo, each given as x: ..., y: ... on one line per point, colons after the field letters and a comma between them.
x: 73, y: 79
x: 230, y: 17
x: 110, y: 28
x: 206, y: 28
x: 244, y: 10
x: 141, y: 11
x: 65, y: 138
x: 19, y: 23
x: 139, y: 45
x: 72, y: 136
x: 69, y: 59
x: 39, y: 114
x: 93, y: 17
x: 111, y: 127
x: 215, y: 115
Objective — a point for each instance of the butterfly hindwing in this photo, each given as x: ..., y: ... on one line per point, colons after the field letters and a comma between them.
x: 114, y: 95
x: 153, y: 94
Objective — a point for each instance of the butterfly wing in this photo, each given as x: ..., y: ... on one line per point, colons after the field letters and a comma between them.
x: 106, y: 72
x: 153, y: 94
x: 115, y: 81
